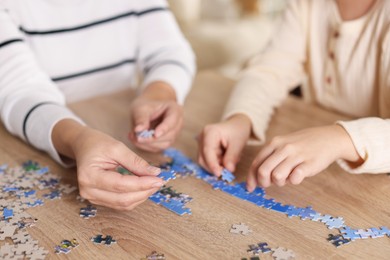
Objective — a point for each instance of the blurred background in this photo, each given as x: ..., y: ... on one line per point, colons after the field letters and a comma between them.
x: 226, y: 33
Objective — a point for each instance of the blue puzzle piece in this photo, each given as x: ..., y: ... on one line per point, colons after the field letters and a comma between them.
x: 335, y: 223
x: 56, y: 194
x: 268, y: 203
x: 8, y: 189
x: 257, y: 200
x: 385, y: 231
x: 227, y: 175
x: 176, y: 207
x: 278, y: 207
x: 37, y: 202
x: 375, y: 233
x: 167, y: 175
x: 294, y: 212
x: 349, y: 233
x: 326, y: 218
x: 8, y: 213
x: 145, y: 134
x: 364, y: 234
x: 316, y: 217
x: 307, y: 213
x: 42, y: 171
x: 29, y: 193
x: 157, y: 198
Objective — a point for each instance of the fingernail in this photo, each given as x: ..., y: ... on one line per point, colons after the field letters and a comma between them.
x: 154, y: 170
x: 157, y: 184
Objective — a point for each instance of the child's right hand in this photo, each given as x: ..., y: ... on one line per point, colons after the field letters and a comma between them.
x: 98, y: 157
x: 220, y: 144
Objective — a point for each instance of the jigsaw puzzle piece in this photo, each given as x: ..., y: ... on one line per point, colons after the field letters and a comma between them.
x: 227, y: 175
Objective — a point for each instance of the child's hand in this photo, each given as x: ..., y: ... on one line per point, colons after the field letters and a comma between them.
x: 156, y: 108
x: 299, y: 155
x: 98, y: 156
x: 220, y: 145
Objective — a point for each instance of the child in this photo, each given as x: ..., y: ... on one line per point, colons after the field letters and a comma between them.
x: 343, y: 47
x: 53, y: 52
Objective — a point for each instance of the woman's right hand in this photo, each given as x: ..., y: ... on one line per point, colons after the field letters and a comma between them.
x: 98, y: 156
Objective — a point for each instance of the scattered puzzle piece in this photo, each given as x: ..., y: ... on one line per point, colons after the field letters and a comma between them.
x: 338, y: 240
x: 259, y: 248
x: 154, y: 256
x: 88, y: 212
x: 283, y: 254
x: 240, y: 229
x: 107, y: 240
x: 66, y: 246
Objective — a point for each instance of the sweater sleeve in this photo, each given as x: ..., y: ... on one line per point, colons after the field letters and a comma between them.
x: 270, y: 75
x: 371, y: 136
x: 30, y: 103
x: 164, y: 54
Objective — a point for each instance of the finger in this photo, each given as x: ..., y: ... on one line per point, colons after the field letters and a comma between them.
x: 211, y: 154
x: 118, y: 200
x: 251, y: 181
x: 171, y: 120
x: 141, y: 119
x: 299, y: 173
x: 132, y: 162
x: 202, y: 163
x: 268, y: 166
x: 264, y: 153
x: 232, y: 155
x: 116, y: 182
x: 280, y: 174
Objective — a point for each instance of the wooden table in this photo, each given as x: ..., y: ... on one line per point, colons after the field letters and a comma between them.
x: 361, y: 199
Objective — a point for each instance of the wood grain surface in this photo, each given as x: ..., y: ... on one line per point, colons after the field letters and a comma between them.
x: 362, y: 200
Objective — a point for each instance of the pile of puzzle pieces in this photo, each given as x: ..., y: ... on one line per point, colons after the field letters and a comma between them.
x: 18, y: 192
x: 182, y: 166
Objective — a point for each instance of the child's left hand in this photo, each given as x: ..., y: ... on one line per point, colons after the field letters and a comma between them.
x: 156, y: 108
x: 302, y: 154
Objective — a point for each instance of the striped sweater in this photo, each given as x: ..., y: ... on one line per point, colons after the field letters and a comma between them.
x: 58, y: 51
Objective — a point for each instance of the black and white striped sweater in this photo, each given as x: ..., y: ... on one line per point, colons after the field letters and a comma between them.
x: 58, y: 51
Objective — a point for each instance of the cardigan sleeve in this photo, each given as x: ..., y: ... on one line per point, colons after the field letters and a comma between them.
x: 270, y: 75
x: 371, y: 136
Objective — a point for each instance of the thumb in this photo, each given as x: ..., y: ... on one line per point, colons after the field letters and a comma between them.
x: 141, y: 119
x: 232, y: 155
x: 134, y: 163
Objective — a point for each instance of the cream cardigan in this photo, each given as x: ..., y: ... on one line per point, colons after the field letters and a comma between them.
x: 342, y: 65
